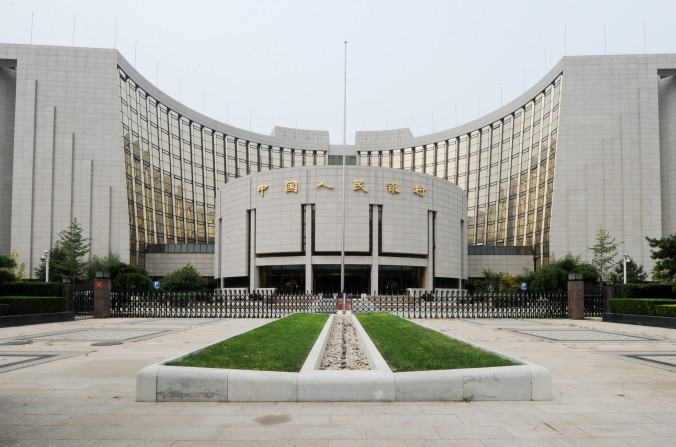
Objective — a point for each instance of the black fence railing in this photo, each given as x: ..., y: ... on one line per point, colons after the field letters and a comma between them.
x: 82, y: 299
x: 462, y: 304
x: 217, y: 304
x: 594, y: 304
x: 240, y: 304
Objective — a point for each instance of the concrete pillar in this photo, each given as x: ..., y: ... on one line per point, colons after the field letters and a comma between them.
x: 608, y: 293
x: 575, y: 299
x: 375, y: 248
x: 102, y: 288
x: 254, y: 276
x: 428, y: 283
x: 309, y: 285
x: 67, y: 291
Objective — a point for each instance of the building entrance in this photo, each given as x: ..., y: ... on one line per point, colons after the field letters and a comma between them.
x: 327, y: 278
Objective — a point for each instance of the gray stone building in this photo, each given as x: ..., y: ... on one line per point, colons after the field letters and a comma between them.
x: 83, y: 135
x: 282, y: 229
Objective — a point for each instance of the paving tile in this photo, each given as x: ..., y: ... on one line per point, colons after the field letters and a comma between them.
x: 329, y: 432
x: 411, y: 431
x: 599, y: 399
x: 443, y: 443
x: 367, y: 443
x: 257, y: 433
x: 473, y: 432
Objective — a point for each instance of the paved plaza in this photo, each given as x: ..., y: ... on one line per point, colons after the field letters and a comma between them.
x: 73, y: 384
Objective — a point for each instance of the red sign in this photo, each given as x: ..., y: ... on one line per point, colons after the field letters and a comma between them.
x: 98, y: 284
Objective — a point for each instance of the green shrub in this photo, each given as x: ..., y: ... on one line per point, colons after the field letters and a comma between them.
x: 28, y: 288
x: 21, y: 305
x: 4, y: 309
x: 637, y: 306
x: 666, y: 310
x: 644, y: 291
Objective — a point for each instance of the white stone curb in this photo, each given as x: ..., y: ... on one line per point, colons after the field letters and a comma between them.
x: 526, y: 381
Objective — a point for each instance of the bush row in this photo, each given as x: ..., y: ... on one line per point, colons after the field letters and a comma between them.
x: 644, y: 291
x: 32, y: 288
x: 666, y: 310
x: 22, y: 305
x: 643, y: 306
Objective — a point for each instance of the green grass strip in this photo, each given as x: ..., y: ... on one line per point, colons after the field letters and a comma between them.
x: 406, y: 346
x: 282, y: 345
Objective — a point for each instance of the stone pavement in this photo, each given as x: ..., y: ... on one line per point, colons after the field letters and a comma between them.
x: 73, y: 384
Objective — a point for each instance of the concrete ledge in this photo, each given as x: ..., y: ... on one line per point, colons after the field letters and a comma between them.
x: 23, y: 320
x: 641, y: 320
x: 525, y: 381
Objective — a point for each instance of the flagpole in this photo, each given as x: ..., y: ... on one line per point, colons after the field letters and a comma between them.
x: 342, y: 248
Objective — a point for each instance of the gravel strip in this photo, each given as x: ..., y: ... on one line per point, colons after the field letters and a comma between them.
x: 343, y: 351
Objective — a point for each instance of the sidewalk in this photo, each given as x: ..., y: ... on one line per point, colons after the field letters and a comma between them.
x: 613, y: 385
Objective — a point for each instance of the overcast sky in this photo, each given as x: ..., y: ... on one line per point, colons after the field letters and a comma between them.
x: 426, y: 65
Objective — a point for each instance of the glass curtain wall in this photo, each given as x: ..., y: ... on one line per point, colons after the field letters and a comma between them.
x: 506, y: 168
x: 173, y: 166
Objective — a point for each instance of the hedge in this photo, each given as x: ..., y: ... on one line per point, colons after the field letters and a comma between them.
x: 31, y: 288
x: 666, y: 310
x: 4, y: 309
x: 22, y: 305
x: 644, y: 291
x: 640, y: 306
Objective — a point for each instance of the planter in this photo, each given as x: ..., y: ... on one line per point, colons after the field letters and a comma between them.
x: 22, y: 320
x: 641, y: 320
x: 525, y: 381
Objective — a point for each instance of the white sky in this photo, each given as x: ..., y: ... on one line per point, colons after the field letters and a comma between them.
x: 427, y: 65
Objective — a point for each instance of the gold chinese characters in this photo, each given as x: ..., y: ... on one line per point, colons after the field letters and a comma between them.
x: 419, y: 190
x: 292, y: 186
x: 359, y: 186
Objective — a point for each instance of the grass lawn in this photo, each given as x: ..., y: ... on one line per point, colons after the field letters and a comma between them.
x: 406, y: 346
x: 282, y: 345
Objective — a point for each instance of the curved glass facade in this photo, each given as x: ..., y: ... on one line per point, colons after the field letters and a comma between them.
x: 506, y: 167
x: 173, y: 166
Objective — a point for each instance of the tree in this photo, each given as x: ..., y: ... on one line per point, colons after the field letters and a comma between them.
x: 555, y: 275
x: 7, y: 266
x: 19, y: 269
x: 74, y: 246
x: 665, y: 257
x: 605, y: 252
x: 110, y: 263
x: 131, y: 277
x: 185, y: 279
x: 635, y: 273
x: 55, y: 275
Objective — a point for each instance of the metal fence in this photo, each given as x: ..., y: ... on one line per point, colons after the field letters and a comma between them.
x: 217, y: 304
x: 228, y: 304
x: 594, y: 304
x: 82, y: 299
x: 462, y: 304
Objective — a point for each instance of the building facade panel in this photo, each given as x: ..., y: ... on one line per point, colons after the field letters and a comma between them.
x: 83, y: 135
x: 401, y: 228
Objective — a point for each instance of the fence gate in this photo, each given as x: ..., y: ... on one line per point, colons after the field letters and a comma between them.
x: 82, y: 299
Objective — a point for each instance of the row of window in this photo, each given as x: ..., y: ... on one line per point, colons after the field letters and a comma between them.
x: 174, y: 167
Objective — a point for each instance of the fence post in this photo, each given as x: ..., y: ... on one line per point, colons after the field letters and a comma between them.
x: 575, y: 296
x: 607, y: 293
x: 102, y: 288
x: 67, y: 291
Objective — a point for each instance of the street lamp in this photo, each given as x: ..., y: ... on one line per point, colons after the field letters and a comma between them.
x: 46, y: 258
x: 624, y: 264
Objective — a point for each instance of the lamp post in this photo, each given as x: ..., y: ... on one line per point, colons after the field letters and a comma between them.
x: 47, y: 266
x: 624, y: 265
